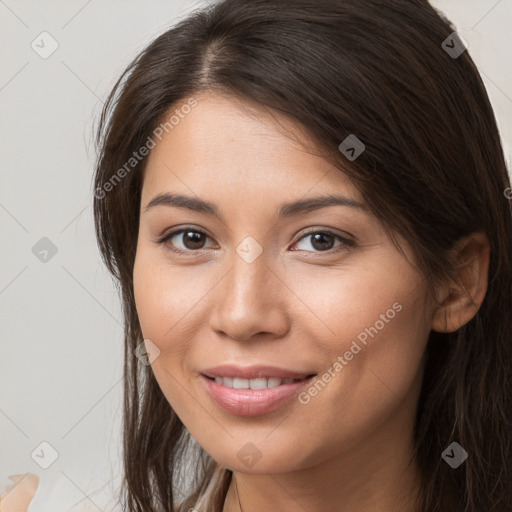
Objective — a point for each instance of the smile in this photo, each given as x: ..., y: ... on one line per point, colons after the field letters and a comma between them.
x: 250, y: 397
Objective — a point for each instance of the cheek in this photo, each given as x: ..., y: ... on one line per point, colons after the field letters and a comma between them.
x: 376, y: 315
x: 168, y: 299
x: 379, y: 332
x: 161, y: 295
x: 165, y: 298
x: 364, y: 302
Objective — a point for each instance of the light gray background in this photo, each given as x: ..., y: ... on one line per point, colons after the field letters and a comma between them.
x: 61, y: 337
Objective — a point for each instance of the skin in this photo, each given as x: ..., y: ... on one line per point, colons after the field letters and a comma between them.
x: 296, y: 306
x: 18, y: 496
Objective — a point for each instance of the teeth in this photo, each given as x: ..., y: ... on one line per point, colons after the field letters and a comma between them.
x: 259, y: 383
x: 274, y: 382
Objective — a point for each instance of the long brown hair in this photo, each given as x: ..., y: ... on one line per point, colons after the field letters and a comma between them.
x: 433, y: 170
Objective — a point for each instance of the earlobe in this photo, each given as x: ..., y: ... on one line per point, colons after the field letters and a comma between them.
x: 461, y: 299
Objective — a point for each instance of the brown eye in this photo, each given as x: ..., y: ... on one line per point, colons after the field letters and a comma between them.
x: 323, y: 241
x: 191, y: 240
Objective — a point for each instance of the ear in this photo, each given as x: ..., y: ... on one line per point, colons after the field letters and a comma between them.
x: 460, y: 300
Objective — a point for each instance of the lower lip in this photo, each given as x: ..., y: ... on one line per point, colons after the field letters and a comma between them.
x: 250, y: 402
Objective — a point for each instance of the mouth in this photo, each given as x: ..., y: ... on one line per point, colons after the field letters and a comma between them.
x: 242, y: 396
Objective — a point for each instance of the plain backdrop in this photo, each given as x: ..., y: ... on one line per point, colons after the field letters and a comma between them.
x: 60, y: 324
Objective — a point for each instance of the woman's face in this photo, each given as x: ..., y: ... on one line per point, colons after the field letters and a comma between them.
x: 307, y: 290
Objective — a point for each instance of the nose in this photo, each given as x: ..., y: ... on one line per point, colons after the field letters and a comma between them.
x: 250, y: 300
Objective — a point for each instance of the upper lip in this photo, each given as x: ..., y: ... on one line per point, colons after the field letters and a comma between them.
x: 254, y: 372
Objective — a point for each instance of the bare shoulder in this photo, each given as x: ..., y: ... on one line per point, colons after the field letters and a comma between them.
x: 17, y: 497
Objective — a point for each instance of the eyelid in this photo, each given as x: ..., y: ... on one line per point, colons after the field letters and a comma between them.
x: 346, y: 236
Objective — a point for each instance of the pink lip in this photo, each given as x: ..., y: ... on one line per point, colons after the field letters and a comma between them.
x: 251, y: 402
x: 254, y: 372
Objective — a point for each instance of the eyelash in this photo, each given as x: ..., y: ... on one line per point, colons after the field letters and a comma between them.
x: 343, y: 246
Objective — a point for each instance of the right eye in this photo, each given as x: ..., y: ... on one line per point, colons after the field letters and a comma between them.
x: 191, y: 238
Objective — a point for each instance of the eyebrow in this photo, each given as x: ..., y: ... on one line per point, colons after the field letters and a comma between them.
x: 286, y: 210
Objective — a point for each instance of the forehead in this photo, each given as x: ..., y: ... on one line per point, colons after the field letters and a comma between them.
x: 222, y: 145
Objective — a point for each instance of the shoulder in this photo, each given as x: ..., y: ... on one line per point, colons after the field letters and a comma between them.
x: 18, y: 495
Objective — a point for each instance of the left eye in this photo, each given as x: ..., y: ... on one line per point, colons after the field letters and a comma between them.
x: 321, y: 241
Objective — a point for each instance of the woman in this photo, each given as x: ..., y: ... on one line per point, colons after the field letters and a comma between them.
x: 262, y: 370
